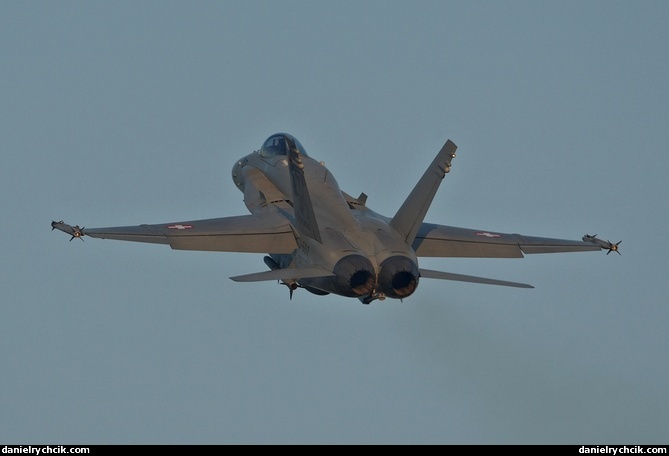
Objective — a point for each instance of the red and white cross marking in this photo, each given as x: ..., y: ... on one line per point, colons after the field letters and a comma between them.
x: 488, y: 235
x: 179, y: 226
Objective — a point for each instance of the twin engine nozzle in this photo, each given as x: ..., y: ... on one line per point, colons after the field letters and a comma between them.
x: 355, y: 277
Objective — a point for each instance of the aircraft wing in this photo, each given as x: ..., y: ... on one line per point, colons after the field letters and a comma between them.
x: 254, y: 233
x: 448, y: 241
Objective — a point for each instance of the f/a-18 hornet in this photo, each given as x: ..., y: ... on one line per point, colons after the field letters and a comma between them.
x: 323, y: 240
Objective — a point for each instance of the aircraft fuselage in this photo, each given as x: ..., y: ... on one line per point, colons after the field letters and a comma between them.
x: 368, y: 257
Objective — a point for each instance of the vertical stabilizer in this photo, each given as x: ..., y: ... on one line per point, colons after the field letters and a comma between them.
x: 409, y: 217
x: 305, y: 218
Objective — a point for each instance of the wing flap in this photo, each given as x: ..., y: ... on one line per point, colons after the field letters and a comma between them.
x: 255, y: 233
x: 141, y: 233
x: 283, y: 242
x: 533, y: 244
x: 449, y: 241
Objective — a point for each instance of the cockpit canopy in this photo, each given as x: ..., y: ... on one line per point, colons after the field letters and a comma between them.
x: 278, y: 144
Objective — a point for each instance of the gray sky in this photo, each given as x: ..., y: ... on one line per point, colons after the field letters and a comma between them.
x: 120, y: 113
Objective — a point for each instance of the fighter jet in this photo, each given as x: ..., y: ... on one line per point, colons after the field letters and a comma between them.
x: 318, y: 238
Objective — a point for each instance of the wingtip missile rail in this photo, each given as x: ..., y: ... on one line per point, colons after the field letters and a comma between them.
x: 74, y: 231
x: 607, y: 245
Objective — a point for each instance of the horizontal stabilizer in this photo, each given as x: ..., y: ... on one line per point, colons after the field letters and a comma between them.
x: 429, y: 274
x: 284, y: 274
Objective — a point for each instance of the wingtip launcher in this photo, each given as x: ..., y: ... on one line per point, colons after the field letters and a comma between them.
x: 607, y: 245
x: 74, y: 231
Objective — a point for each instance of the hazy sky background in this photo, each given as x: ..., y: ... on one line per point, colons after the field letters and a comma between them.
x: 121, y: 113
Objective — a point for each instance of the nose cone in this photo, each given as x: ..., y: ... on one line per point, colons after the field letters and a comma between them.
x: 237, y: 176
